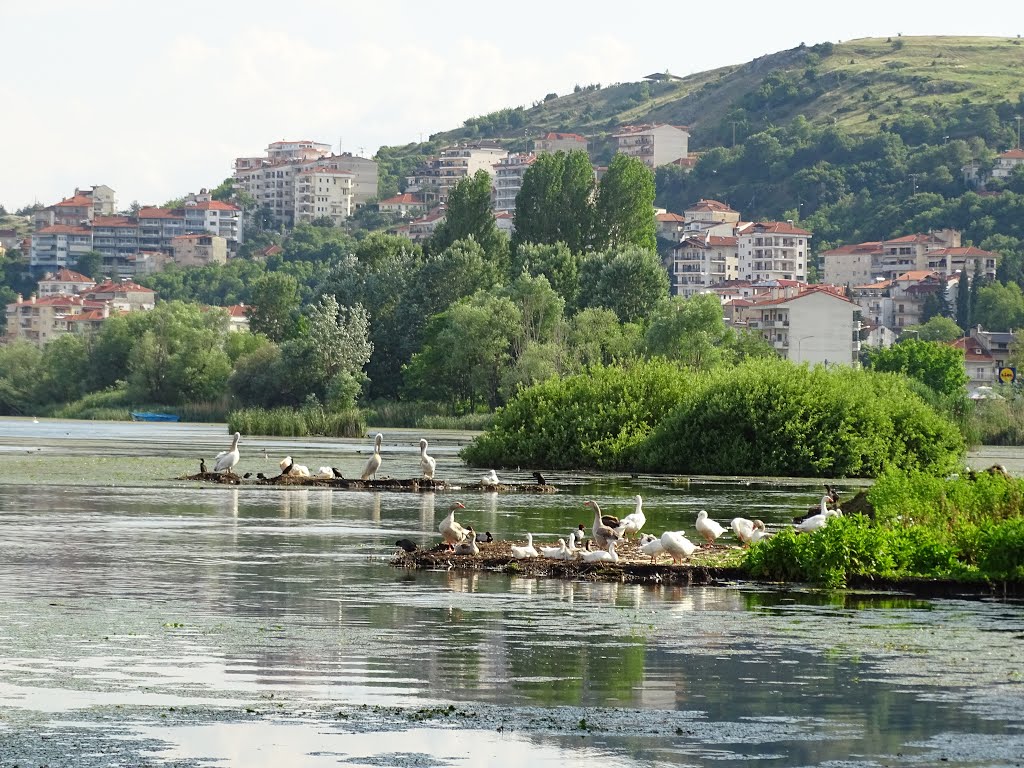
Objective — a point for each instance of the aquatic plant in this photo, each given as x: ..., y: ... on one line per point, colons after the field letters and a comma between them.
x: 297, y: 422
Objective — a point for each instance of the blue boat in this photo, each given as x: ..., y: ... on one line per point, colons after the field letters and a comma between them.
x: 148, y: 416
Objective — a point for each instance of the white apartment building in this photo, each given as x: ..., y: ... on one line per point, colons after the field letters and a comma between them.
x: 705, y: 211
x: 773, y: 250
x: 656, y: 145
x: 1006, y: 162
x: 320, y: 192
x: 508, y: 180
x: 215, y: 217
x: 434, y: 180
x: 56, y: 246
x: 64, y: 282
x: 560, y: 142
x: 816, y: 326
x: 697, y: 263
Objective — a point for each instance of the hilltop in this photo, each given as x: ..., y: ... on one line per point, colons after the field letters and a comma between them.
x: 856, y: 84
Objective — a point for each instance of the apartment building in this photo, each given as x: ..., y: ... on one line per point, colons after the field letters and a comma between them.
x: 216, y: 217
x: 711, y: 211
x: 64, y: 282
x: 773, y: 250
x: 58, y: 245
x: 560, y: 142
x: 323, y: 192
x: 434, y: 180
x: 41, y: 320
x: 655, y: 145
x: 670, y: 226
x: 124, y: 295
x: 815, y: 326
x: 83, y: 206
x: 1006, y: 162
x: 199, y: 250
x: 508, y: 180
x: 937, y: 251
x: 405, y: 204
x: 697, y: 263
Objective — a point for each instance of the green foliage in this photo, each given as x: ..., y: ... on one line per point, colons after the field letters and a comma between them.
x: 628, y: 281
x: 941, y: 329
x: 470, y: 216
x: 995, y: 421
x: 999, y: 307
x: 624, y: 212
x: 689, y: 330
x: 937, y: 365
x: 555, y: 262
x: 20, y: 364
x: 274, y: 306
x: 300, y: 422
x: 555, y: 203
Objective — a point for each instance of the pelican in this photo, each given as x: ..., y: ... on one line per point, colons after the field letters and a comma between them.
x: 290, y: 468
x: 708, y: 528
x: 634, y: 521
x: 600, y: 556
x: 225, y: 460
x: 603, y: 533
x: 451, y: 531
x: 651, y: 545
x: 491, y: 478
x: 521, y: 553
x: 427, y: 463
x: 677, y: 545
x: 373, y: 463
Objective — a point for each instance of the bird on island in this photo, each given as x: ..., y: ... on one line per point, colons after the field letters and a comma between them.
x: 677, y: 545
x: 556, y: 552
x: 337, y: 473
x: 522, y: 553
x: 539, y: 478
x: 708, y: 528
x: 816, y: 522
x: 491, y: 478
x: 759, y: 532
x: 601, y: 556
x: 743, y: 528
x: 634, y: 521
x: 225, y: 461
x: 260, y: 476
x: 603, y: 533
x: 821, y: 509
x: 484, y: 538
x: 451, y: 531
x: 427, y: 463
x: 468, y: 545
x: 202, y: 466
x: 579, y: 533
x: 571, y: 548
x: 651, y: 545
x: 373, y: 463
x: 290, y: 468
x: 325, y: 473
x: 286, y: 465
x: 407, y: 545
x: 247, y: 475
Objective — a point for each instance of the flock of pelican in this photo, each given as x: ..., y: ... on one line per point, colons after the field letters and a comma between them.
x: 607, y: 531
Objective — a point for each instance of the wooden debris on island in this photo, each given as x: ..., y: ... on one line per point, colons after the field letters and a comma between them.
x: 414, y: 485
x: 711, y: 565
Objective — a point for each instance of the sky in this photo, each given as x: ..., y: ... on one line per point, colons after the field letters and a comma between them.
x: 156, y: 100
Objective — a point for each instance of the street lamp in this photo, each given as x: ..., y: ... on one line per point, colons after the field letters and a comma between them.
x: 800, y: 341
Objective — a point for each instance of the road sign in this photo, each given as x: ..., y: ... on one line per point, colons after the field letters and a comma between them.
x: 1007, y: 374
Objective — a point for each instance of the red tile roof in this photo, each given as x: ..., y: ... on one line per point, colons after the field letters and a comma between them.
x: 63, y: 229
x: 113, y: 221
x: 65, y: 275
x: 973, y: 351
x: 1013, y: 154
x: 407, y: 198
x: 709, y: 205
x: 914, y: 276
x: 212, y: 205
x: 157, y: 213
x: 775, y: 228
x: 238, y: 310
x: 77, y: 201
x: 814, y: 289
x: 124, y: 286
x: 673, y: 217
x: 558, y: 136
x: 968, y: 251
x: 856, y: 248
x: 89, y: 316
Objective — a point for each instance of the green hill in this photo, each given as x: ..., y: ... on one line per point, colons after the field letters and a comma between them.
x: 858, y: 85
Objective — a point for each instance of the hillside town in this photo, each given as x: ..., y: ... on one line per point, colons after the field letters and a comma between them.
x: 814, y: 308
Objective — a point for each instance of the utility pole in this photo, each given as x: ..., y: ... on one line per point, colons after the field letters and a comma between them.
x: 736, y: 121
x: 913, y: 179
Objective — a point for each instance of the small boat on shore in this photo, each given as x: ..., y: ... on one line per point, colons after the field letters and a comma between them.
x: 150, y: 416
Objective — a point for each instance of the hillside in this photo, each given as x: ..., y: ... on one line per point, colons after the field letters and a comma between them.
x: 856, y: 84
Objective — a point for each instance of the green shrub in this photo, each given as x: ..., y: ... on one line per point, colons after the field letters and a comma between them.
x: 297, y: 422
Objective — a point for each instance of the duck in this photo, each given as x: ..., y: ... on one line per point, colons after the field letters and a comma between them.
x: 407, y: 545
x: 600, y: 555
x: 578, y: 534
x: 708, y: 528
x: 651, y: 545
x: 521, y: 553
x: 677, y: 545
x: 743, y: 528
x: 468, y: 545
x: 758, y: 533
x: 556, y: 552
x: 816, y: 522
x: 484, y: 538
x: 451, y: 531
x: 634, y: 521
x: 427, y: 463
x: 373, y: 463
x: 571, y: 548
x: 491, y: 478
x: 202, y: 466
x: 225, y: 460
x: 539, y: 478
x: 603, y: 533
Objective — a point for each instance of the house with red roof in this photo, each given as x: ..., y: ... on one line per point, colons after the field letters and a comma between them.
x: 41, y: 320
x: 1006, y: 162
x: 405, y: 204
x: 123, y: 295
x: 937, y: 251
x: 697, y: 263
x: 773, y: 250
x: 64, y: 282
x: 560, y: 142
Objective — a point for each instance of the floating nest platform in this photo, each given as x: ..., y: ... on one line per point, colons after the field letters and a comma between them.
x: 710, y: 565
x: 411, y: 485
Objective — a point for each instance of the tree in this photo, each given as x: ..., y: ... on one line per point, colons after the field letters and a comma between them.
x: 963, y: 301
x: 556, y: 202
x: 938, y: 328
x: 937, y: 365
x: 540, y: 310
x: 90, y: 264
x: 630, y: 282
x: 62, y: 374
x: 1000, y: 307
x: 274, y: 305
x: 596, y: 337
x: 690, y: 330
x: 20, y: 363
x: 976, y: 283
x: 378, y: 249
x: 555, y: 262
x: 469, y: 215
x: 624, y: 214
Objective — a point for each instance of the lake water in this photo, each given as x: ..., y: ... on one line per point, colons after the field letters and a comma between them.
x: 148, y: 621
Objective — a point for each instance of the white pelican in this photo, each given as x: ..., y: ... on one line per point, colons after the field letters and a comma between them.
x: 677, y: 545
x: 373, y: 463
x: 634, y: 521
x: 450, y: 531
x: 225, y: 460
x: 600, y: 556
x: 427, y: 463
x: 491, y: 478
x: 289, y: 467
x: 603, y: 534
x: 521, y: 553
x: 708, y: 528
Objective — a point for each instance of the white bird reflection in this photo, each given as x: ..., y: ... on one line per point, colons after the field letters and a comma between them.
x: 427, y: 512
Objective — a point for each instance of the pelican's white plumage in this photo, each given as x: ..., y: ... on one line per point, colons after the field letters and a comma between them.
x: 634, y: 521
x: 451, y: 531
x: 373, y: 463
x: 521, y: 553
x: 708, y: 528
x: 225, y: 460
x: 600, y: 556
x: 427, y: 463
x: 677, y: 545
x: 491, y: 478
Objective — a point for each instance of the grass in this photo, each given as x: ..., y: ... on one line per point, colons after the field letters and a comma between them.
x: 423, y: 415
x: 297, y: 422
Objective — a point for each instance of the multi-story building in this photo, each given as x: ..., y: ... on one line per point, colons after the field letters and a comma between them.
x: 435, y: 179
x: 423, y: 227
x: 508, y: 180
x: 199, y: 250
x: 405, y: 204
x: 938, y: 251
x: 900, y: 302
x: 711, y: 211
x: 815, y: 326
x: 1006, y: 162
x: 773, y: 250
x: 323, y: 192
x: 41, y: 320
x: 698, y: 263
x: 123, y: 295
x: 559, y: 142
x: 64, y: 282
x: 656, y: 145
x: 81, y: 207
x: 117, y: 239
x: 670, y: 226
x: 58, y: 246
x: 215, y: 217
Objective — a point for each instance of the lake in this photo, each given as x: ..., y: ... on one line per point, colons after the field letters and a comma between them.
x: 150, y: 621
